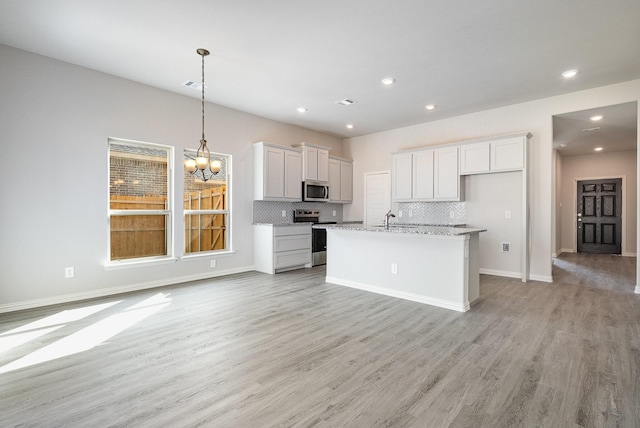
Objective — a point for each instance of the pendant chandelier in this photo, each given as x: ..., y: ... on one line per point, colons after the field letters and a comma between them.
x: 202, y: 167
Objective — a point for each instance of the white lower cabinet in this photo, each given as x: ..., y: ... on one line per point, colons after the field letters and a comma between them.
x: 277, y: 248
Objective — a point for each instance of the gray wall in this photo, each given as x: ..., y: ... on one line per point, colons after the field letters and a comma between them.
x: 599, y: 165
x: 56, y: 119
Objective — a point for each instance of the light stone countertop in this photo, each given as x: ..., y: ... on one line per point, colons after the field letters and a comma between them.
x: 410, y: 229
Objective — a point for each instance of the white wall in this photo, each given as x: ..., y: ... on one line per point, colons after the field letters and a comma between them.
x: 372, y: 152
x: 56, y: 119
x: 600, y: 165
x: 487, y: 197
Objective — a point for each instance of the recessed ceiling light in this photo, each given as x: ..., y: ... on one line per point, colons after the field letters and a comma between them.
x: 430, y: 106
x: 349, y: 125
x: 598, y: 149
x: 596, y: 118
x: 345, y: 102
x: 301, y: 109
x: 569, y: 74
x: 388, y: 81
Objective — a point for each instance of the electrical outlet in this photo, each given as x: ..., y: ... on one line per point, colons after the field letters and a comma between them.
x: 394, y: 268
x: 507, y: 214
x: 399, y: 213
x: 69, y: 272
x: 284, y: 213
x: 213, y: 263
x: 334, y: 213
x: 506, y: 247
x: 452, y: 214
x: 410, y: 213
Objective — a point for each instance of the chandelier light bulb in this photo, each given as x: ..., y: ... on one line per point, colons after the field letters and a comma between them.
x: 202, y: 162
x: 215, y: 166
x: 190, y: 164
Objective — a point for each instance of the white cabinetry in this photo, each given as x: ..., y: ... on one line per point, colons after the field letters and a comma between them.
x: 446, y: 180
x: 340, y: 180
x: 422, y: 179
x: 505, y: 154
x: 277, y: 173
x: 315, y: 162
x: 402, y: 178
x: 427, y: 175
x: 278, y: 248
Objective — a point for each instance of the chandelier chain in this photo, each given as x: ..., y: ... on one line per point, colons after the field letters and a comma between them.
x: 202, y: 97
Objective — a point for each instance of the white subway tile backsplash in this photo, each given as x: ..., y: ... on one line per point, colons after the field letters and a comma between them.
x: 271, y: 212
x: 432, y: 213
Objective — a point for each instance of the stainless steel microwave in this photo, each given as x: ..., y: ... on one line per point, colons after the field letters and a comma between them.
x: 315, y: 191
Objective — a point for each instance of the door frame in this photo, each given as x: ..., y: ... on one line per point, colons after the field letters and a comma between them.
x: 623, y: 240
x: 384, y: 172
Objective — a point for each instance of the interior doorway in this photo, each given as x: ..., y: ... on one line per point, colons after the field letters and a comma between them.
x: 598, y: 143
x: 599, y: 222
x: 377, y: 196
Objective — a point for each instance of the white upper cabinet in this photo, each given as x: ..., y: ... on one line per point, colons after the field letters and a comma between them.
x: 277, y: 173
x: 474, y: 158
x: 504, y: 154
x: 446, y: 183
x: 340, y: 180
x: 508, y: 154
x: 422, y: 180
x: 315, y: 162
x: 426, y: 175
x: 402, y: 177
x: 346, y: 181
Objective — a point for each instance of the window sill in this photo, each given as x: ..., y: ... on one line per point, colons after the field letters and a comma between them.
x: 139, y: 263
x: 208, y: 255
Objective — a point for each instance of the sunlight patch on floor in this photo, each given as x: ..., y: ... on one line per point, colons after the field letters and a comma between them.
x: 33, y: 330
x: 93, y: 335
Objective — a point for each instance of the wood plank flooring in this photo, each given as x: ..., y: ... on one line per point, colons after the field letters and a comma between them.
x: 255, y: 350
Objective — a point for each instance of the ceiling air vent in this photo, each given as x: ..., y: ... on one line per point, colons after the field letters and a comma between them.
x: 345, y: 102
x: 193, y: 85
x: 596, y: 128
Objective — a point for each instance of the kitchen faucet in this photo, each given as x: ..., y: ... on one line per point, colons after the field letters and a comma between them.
x: 386, y: 219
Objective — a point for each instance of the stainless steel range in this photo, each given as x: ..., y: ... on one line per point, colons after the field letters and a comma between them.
x: 318, y: 236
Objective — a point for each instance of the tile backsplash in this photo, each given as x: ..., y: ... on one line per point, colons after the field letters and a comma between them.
x: 431, y: 213
x: 271, y: 212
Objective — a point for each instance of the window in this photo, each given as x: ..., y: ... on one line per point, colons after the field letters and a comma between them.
x: 206, y: 208
x: 139, y: 200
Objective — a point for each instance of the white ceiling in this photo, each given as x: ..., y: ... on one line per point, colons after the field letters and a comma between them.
x: 270, y: 57
x: 576, y: 134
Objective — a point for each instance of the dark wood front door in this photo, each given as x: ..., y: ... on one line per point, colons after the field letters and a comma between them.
x: 600, y: 216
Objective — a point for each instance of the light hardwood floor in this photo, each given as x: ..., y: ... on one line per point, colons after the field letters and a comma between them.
x: 255, y: 350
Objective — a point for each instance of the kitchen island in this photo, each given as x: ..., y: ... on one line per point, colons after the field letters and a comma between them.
x: 433, y: 265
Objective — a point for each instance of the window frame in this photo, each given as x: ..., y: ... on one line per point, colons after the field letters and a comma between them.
x: 226, y: 212
x: 168, y: 212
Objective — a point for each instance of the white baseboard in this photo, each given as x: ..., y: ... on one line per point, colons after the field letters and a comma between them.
x: 541, y: 278
x: 637, y: 289
x: 402, y: 295
x: 628, y: 254
x: 74, y: 297
x: 509, y: 274
x: 567, y: 250
x: 505, y: 273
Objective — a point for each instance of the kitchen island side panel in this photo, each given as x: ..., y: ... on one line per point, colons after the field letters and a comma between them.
x: 437, y: 270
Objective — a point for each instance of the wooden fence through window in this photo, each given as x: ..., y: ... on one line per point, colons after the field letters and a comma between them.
x: 205, y: 232
x: 145, y: 235
x: 138, y: 235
